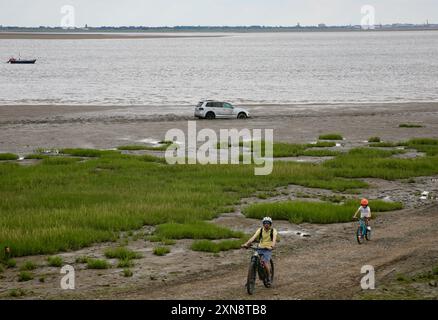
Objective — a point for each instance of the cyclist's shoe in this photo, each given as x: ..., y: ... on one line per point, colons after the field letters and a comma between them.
x: 267, y: 283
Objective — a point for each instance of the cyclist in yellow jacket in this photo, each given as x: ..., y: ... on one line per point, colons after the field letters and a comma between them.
x: 267, y: 237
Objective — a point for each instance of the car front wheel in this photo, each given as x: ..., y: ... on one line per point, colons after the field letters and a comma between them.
x: 242, y: 115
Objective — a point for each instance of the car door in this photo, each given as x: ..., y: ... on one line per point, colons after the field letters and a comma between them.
x: 228, y: 110
x: 218, y: 109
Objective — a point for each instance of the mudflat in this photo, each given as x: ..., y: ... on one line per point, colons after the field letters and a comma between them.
x: 26, y: 127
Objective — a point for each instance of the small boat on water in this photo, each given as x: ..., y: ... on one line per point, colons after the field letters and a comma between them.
x: 20, y: 61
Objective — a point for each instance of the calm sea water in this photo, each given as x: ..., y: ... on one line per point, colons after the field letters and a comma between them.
x: 276, y: 68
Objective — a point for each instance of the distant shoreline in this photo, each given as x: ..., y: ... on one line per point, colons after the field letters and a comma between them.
x: 93, y: 36
x: 169, y: 34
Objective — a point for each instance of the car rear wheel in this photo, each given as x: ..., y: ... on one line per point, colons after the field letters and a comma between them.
x: 242, y: 115
x: 210, y: 116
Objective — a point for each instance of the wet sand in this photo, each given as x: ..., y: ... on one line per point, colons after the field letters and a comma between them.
x: 95, y: 36
x: 25, y: 128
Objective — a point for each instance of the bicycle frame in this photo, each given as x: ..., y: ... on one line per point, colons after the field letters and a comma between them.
x: 363, y: 227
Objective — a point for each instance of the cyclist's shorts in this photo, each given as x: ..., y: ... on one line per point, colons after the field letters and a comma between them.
x: 265, y: 253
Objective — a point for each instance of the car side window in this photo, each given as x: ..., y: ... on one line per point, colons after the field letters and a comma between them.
x: 227, y: 105
x: 210, y: 105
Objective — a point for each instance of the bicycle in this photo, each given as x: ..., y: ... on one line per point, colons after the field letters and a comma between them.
x: 363, y: 231
x: 256, y: 267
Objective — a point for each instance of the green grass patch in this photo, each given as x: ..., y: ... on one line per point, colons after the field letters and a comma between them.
x: 16, y: 293
x: 331, y: 136
x: 125, y: 263
x: 195, y: 230
x: 97, y: 264
x: 374, y: 139
x: 55, y: 261
x: 315, y: 212
x: 283, y: 149
x: 153, y: 238
x: 127, y: 273
x: 8, y: 156
x: 210, y: 246
x: 121, y: 253
x: 28, y: 266
x: 426, y: 145
x: 81, y: 259
x: 25, y: 276
x: 90, y: 153
x: 410, y: 125
x: 63, y: 203
x: 59, y: 161
x: 321, y: 144
x: 321, y: 153
x: 10, y: 263
x: 377, y: 163
x: 163, y: 145
x: 384, y: 144
x: 167, y: 242
x: 36, y: 156
x: 161, y: 251
x: 150, y: 158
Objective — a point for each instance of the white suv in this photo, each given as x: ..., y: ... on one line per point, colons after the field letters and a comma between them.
x: 210, y: 109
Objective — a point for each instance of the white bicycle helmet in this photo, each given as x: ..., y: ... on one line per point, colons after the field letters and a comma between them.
x: 267, y: 219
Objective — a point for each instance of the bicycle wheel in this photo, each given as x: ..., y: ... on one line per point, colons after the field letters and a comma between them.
x: 250, y: 282
x: 359, y: 235
x: 368, y: 235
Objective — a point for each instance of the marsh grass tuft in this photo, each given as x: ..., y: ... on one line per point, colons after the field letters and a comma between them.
x: 161, y: 251
x: 410, y: 125
x: 10, y: 263
x: 15, y: 293
x: 8, y: 156
x: 81, y: 259
x: 163, y: 145
x: 88, y: 153
x: 374, y: 139
x: 127, y: 273
x: 194, y: 230
x: 55, y: 261
x: 125, y: 263
x: 28, y: 266
x: 168, y: 242
x: 315, y: 212
x: 97, y: 264
x: 215, y: 247
x: 331, y: 136
x: 121, y: 253
x: 25, y: 276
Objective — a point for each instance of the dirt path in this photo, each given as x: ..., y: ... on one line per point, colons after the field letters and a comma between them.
x: 324, y: 267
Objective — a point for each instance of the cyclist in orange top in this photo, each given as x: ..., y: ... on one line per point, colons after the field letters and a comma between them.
x: 267, y: 237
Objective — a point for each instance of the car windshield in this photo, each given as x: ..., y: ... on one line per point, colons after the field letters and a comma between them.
x: 199, y: 104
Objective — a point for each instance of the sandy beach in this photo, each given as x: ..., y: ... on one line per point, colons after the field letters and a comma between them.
x: 25, y: 128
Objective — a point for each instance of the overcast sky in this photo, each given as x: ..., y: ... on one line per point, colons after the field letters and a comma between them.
x: 214, y: 12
